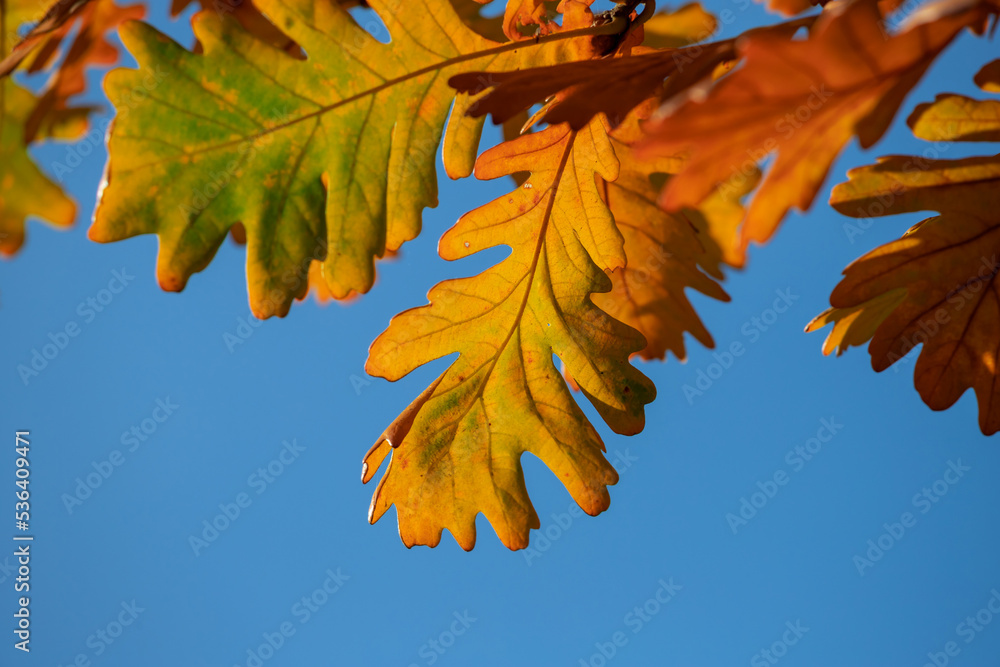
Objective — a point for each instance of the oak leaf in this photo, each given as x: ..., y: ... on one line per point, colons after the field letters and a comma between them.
x: 667, y: 252
x: 24, y: 190
x: 456, y: 450
x: 936, y: 286
x: 47, y: 23
x: 527, y: 18
x: 301, y: 152
x: 801, y: 99
x: 576, y: 92
x: 88, y: 48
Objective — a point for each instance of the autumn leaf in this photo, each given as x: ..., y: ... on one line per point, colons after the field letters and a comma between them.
x: 252, y: 20
x: 456, y: 450
x: 576, y: 92
x: 667, y: 253
x: 89, y: 48
x: 24, y: 190
x: 527, y: 18
x: 470, y: 11
x: 988, y: 78
x: 47, y: 29
x: 303, y: 152
x: 687, y: 25
x: 801, y: 99
x: 790, y: 7
x: 855, y: 326
x: 936, y: 286
x: 957, y: 118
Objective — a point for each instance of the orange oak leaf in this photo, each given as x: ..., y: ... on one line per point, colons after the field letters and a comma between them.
x: 948, y: 267
x: 937, y: 286
x: 801, y: 99
x: 577, y: 91
x: 667, y: 252
x: 456, y: 450
x: 791, y: 7
x: 524, y: 19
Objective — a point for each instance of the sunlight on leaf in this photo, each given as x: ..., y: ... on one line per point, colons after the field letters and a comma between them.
x: 455, y: 452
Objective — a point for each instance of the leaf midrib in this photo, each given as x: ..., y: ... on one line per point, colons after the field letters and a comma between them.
x: 385, y: 85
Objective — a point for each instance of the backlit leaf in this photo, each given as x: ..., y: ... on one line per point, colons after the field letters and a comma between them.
x: 89, y: 48
x: 667, y: 253
x: 456, y: 450
x: 330, y: 158
x: 802, y: 100
x: 948, y: 266
x: 854, y: 326
x: 578, y: 91
x: 687, y: 25
x: 24, y: 190
x: 937, y: 285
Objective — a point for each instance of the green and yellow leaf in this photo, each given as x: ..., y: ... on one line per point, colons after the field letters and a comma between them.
x: 330, y: 158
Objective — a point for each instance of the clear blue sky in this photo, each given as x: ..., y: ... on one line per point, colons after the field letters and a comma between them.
x: 787, y: 581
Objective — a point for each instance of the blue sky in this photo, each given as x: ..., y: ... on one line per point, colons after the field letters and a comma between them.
x: 279, y: 425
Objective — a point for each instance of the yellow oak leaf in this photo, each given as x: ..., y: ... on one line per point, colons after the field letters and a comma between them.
x: 957, y: 118
x: 682, y: 27
x: 456, y: 450
x: 854, y: 326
